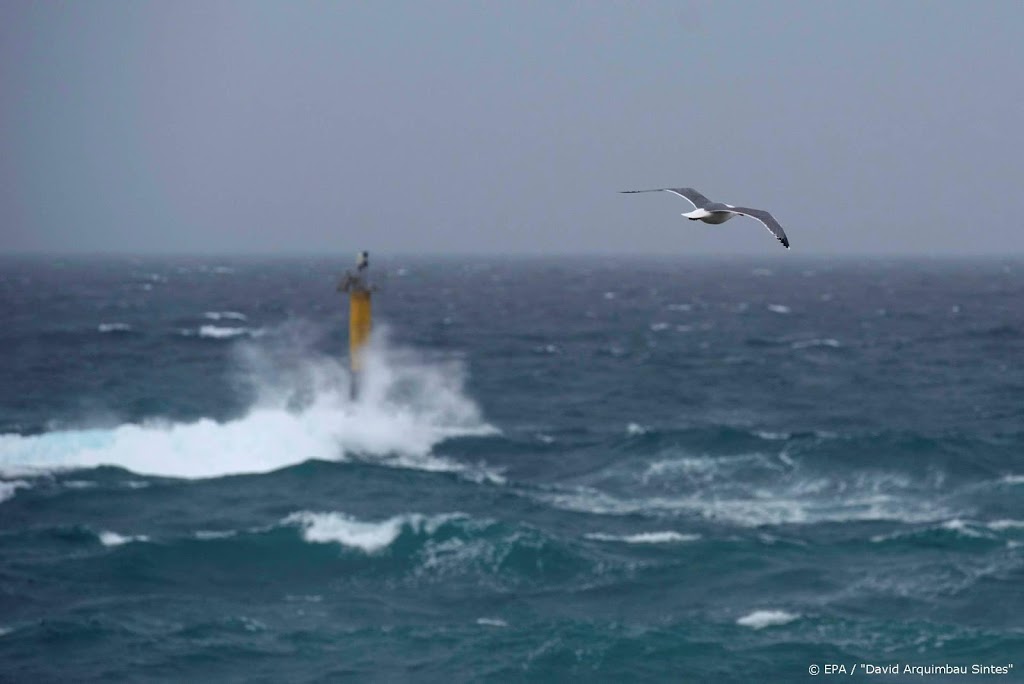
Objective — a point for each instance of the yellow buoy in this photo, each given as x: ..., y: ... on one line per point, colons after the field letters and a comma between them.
x: 359, y: 321
x: 360, y: 316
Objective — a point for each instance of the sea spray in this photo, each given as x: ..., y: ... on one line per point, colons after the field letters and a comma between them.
x: 300, y: 411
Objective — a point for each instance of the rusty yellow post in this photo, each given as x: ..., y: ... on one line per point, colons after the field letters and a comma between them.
x: 360, y: 316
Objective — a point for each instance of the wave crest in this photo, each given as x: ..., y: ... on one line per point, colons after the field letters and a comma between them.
x: 301, y: 411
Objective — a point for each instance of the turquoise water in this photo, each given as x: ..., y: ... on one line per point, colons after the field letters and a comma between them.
x: 613, y: 470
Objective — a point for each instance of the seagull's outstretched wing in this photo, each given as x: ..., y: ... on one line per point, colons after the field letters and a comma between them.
x: 765, y: 218
x: 689, y: 194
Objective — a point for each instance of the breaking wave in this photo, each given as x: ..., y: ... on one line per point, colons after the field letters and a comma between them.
x: 370, y: 537
x: 760, y: 619
x: 665, y: 537
x: 220, y: 332
x: 302, y: 411
x: 108, y: 538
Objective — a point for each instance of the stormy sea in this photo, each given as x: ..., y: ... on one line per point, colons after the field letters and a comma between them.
x: 596, y: 469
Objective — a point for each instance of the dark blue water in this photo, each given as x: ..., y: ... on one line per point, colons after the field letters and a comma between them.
x: 613, y: 470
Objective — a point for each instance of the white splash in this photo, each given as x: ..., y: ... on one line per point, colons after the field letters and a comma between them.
x: 302, y: 411
x: 207, y: 535
x: 779, y: 308
x: 665, y: 537
x: 108, y: 538
x: 217, y: 332
x: 113, y: 327
x: 962, y: 527
x: 796, y: 502
x: 1005, y: 524
x: 822, y: 342
x: 370, y: 537
x: 760, y: 619
x: 8, y: 488
x: 225, y: 315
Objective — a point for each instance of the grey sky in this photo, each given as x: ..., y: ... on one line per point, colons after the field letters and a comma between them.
x: 865, y: 127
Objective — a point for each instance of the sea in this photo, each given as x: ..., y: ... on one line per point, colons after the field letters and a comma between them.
x: 601, y: 469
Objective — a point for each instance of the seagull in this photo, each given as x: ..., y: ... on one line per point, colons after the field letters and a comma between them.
x: 716, y: 212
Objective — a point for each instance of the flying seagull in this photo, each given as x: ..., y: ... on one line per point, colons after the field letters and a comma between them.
x: 716, y: 212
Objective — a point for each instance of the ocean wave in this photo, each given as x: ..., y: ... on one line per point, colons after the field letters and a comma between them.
x: 817, y: 342
x: 959, y: 527
x: 436, y: 547
x: 419, y: 547
x: 636, y: 429
x: 664, y: 537
x: 756, y: 507
x: 108, y: 538
x: 1005, y: 524
x: 760, y: 619
x: 225, y: 315
x: 218, y: 332
x: 406, y: 407
x: 8, y: 488
x: 114, y: 328
x: 207, y: 535
x: 370, y: 537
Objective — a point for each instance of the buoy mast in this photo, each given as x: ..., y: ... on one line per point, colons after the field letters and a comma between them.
x: 360, y: 316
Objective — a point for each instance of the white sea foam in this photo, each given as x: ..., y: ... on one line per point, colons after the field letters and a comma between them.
x: 966, y: 528
x: 1013, y: 479
x: 225, y: 315
x: 370, y: 537
x: 79, y: 484
x: 635, y: 429
x: 302, y: 411
x: 1005, y: 524
x: 963, y: 527
x: 799, y: 503
x: 4, y: 631
x: 659, y: 326
x: 491, y: 622
x: 768, y: 434
x: 108, y: 538
x: 779, y: 308
x: 113, y: 327
x: 207, y: 535
x: 665, y: 537
x: 760, y: 619
x: 8, y: 488
x: 217, y: 332
x: 822, y: 342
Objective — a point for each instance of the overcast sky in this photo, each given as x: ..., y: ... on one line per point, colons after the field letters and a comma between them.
x: 509, y: 127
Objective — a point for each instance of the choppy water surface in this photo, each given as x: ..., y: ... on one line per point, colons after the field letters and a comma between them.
x: 621, y: 470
